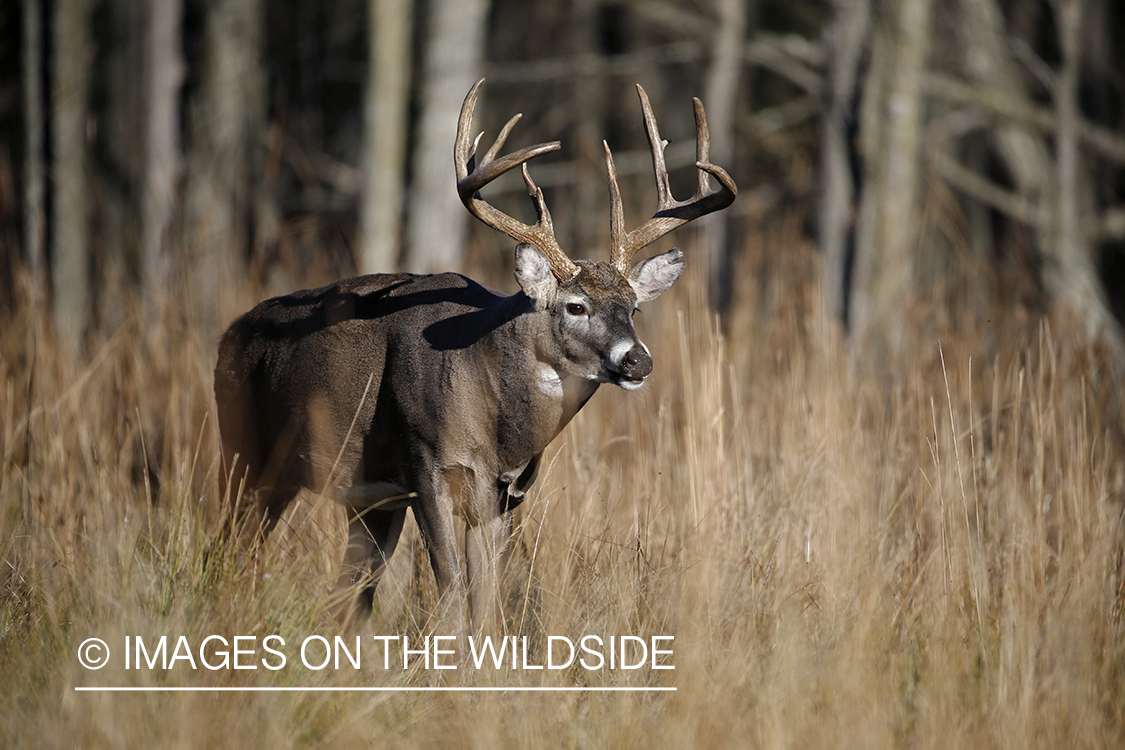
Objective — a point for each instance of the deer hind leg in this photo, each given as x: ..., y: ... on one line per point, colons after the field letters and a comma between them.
x: 259, y: 479
x: 250, y: 513
x: 250, y: 510
x: 372, y: 538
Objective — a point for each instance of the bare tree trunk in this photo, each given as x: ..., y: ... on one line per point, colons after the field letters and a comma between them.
x: 871, y: 136
x: 70, y: 261
x: 386, y: 121
x: 846, y: 38
x: 227, y: 157
x: 721, y: 92
x: 453, y: 60
x: 589, y: 182
x: 164, y: 75
x: 885, y: 272
x: 1052, y: 188
x: 1074, y: 284
x: 34, y: 173
x: 988, y: 61
x: 119, y: 174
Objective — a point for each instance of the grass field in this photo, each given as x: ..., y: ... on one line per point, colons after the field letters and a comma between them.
x: 847, y: 556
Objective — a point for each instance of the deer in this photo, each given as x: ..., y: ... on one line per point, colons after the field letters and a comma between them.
x: 435, y: 393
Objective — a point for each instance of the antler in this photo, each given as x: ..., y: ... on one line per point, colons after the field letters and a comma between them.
x: 670, y: 212
x: 471, y: 179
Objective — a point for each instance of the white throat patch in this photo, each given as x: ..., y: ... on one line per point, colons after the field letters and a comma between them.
x: 549, y: 382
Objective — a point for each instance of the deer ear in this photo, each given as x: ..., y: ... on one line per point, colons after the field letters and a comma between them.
x: 653, y: 276
x: 533, y: 272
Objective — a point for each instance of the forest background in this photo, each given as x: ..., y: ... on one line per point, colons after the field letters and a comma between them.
x: 874, y: 489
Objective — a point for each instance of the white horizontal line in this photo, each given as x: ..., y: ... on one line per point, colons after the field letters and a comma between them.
x: 374, y: 689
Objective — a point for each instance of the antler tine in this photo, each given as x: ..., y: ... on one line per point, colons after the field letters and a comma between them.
x: 702, y: 144
x: 472, y: 177
x: 617, y: 236
x: 542, y: 213
x: 670, y: 213
x: 656, y: 145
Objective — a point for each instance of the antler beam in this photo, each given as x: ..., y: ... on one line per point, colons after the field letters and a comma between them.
x: 670, y: 213
x: 470, y: 179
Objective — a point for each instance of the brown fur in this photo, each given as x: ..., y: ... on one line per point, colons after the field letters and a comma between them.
x: 428, y: 392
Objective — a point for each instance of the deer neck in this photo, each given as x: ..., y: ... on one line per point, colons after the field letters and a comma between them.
x: 536, y: 398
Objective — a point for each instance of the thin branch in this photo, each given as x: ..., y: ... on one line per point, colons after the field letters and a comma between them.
x: 987, y: 192
x: 1035, y: 65
x: 790, y: 56
x: 672, y: 17
x: 1109, y: 226
x: 1022, y: 111
x: 558, y: 68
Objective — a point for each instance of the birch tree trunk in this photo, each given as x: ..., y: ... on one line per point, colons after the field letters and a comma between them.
x: 386, y: 122
x: 70, y: 261
x: 228, y: 122
x: 34, y: 211
x: 988, y: 61
x: 846, y: 36
x: 453, y: 60
x: 589, y: 184
x: 885, y: 267
x: 164, y: 75
x: 1073, y: 281
x: 721, y: 96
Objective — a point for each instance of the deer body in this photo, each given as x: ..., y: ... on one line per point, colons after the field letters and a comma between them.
x: 434, y: 392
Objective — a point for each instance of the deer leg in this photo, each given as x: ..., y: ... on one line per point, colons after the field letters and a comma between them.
x: 433, y: 510
x: 486, y: 545
x: 372, y: 538
x: 243, y: 502
x: 254, y: 494
x: 257, y: 512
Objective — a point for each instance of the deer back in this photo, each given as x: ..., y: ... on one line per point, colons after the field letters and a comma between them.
x: 380, y: 371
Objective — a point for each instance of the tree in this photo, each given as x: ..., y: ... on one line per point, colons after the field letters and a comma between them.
x: 227, y: 154
x: 34, y: 193
x: 452, y: 63
x: 386, y: 123
x: 1041, y: 150
x: 721, y: 96
x: 892, y: 138
x: 70, y: 255
x: 846, y: 39
x: 1073, y: 280
x: 163, y: 77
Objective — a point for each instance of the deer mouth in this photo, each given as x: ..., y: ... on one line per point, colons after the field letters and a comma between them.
x: 629, y: 384
x: 623, y: 379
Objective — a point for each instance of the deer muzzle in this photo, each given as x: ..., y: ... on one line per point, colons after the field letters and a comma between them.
x: 632, y: 367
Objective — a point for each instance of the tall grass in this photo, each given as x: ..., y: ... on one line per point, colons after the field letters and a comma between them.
x: 924, y: 555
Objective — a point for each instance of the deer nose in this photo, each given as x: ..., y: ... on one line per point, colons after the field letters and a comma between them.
x: 637, y: 363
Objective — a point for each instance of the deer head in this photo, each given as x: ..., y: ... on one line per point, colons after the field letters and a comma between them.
x: 590, y: 304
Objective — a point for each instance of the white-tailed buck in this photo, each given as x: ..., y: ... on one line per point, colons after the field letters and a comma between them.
x: 434, y: 393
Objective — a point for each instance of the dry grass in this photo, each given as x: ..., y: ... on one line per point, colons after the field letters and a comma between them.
x: 928, y: 560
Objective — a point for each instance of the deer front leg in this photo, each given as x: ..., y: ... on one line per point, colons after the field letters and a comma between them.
x: 486, y: 545
x: 433, y: 510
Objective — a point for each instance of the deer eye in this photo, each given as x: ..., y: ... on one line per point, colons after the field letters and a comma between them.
x: 576, y: 308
